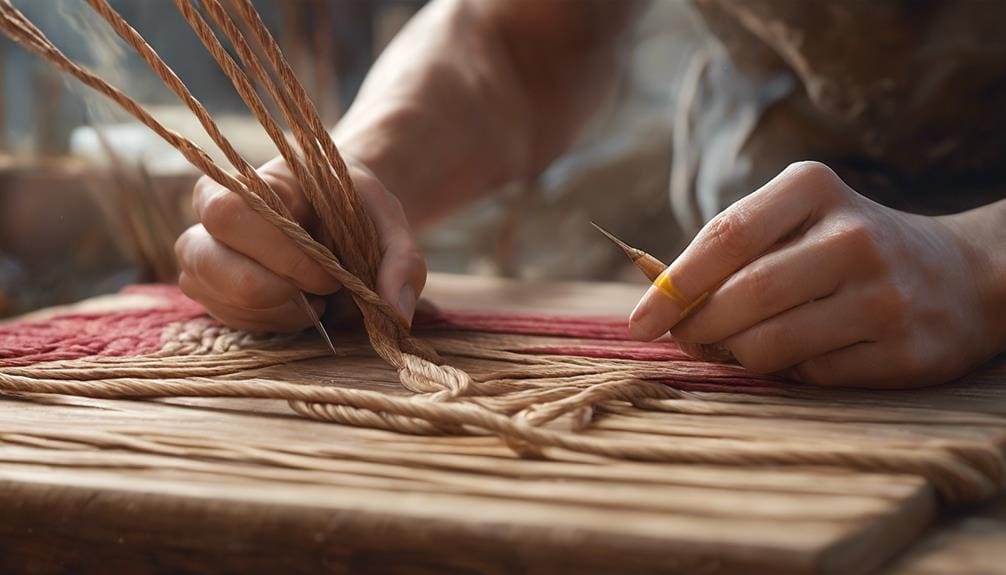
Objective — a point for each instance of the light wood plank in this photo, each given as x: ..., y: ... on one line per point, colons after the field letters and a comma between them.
x: 314, y: 496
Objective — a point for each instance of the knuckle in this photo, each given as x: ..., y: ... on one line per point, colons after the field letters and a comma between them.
x: 762, y: 286
x: 187, y: 285
x: 817, y: 178
x: 729, y: 234
x: 300, y: 268
x: 182, y: 244
x: 200, y: 192
x: 811, y: 172
x: 246, y: 297
x: 219, y: 211
x: 760, y: 352
x: 289, y: 195
x: 863, y: 243
x: 187, y: 248
x: 891, y: 303
x: 859, y: 236
x: 690, y: 332
x: 246, y: 291
x: 858, y: 241
x: 753, y: 362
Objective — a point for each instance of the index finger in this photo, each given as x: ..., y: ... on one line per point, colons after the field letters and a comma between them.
x: 231, y: 221
x: 731, y: 240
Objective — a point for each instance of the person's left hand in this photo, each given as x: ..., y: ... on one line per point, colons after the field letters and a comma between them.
x: 809, y: 279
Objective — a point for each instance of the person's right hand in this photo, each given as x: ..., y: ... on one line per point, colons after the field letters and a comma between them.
x: 247, y: 273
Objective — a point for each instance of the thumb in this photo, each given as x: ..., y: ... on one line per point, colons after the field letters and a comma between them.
x: 402, y: 275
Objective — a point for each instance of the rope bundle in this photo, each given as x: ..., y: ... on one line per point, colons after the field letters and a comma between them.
x: 321, y: 172
x: 318, y: 167
x: 514, y: 402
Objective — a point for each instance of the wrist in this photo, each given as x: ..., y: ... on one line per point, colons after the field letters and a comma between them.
x: 368, y: 141
x: 981, y: 237
x: 432, y: 170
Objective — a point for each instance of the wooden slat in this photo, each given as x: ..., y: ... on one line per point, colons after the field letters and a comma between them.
x: 292, y: 495
x: 973, y: 541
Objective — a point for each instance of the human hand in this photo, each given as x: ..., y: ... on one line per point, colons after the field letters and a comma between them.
x: 809, y: 279
x: 247, y: 273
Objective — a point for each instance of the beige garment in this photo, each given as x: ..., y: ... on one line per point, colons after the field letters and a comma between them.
x: 903, y: 99
x: 616, y: 174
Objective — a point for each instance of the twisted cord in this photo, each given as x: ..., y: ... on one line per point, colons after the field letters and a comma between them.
x: 515, y: 402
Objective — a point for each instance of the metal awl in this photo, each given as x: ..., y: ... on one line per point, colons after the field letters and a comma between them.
x: 301, y: 301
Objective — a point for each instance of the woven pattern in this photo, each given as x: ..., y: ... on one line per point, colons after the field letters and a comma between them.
x: 571, y: 411
x: 462, y: 383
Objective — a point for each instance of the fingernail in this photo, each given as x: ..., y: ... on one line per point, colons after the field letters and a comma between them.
x: 644, y: 324
x: 407, y: 303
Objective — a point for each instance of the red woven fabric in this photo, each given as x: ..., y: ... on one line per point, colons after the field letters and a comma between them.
x: 75, y: 336
x: 527, y: 324
x: 139, y: 332
x: 611, y: 340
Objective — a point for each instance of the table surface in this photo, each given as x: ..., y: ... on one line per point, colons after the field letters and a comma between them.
x: 86, y: 507
x: 970, y: 540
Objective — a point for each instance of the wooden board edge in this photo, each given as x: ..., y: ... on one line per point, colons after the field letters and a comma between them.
x: 878, y: 543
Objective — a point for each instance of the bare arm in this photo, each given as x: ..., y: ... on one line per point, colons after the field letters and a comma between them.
x: 982, y: 234
x: 471, y: 94
x: 474, y: 93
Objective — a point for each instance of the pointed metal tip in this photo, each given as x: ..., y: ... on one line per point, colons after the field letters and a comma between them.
x: 629, y: 250
x: 320, y: 327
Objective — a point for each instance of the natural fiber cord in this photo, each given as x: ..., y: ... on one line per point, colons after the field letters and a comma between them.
x: 527, y: 388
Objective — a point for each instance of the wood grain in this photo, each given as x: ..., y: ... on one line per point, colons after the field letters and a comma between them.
x: 970, y: 540
x: 293, y: 495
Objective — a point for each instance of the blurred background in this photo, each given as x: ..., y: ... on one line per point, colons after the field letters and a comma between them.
x: 90, y: 201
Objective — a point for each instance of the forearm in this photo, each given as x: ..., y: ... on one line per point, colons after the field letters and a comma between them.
x: 983, y: 234
x: 473, y: 94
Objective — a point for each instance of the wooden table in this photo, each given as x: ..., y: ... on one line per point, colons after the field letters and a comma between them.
x: 89, y: 511
x: 971, y: 540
